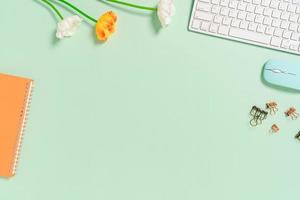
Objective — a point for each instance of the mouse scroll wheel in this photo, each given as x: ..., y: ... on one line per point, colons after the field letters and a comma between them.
x: 277, y: 71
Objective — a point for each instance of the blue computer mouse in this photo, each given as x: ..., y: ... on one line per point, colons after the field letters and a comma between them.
x: 282, y: 73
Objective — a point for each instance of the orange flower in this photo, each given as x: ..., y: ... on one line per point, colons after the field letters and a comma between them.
x: 106, y: 25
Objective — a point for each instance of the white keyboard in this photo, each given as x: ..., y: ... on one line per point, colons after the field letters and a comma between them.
x: 269, y: 23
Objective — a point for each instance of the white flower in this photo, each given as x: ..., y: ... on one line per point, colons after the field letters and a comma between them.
x: 68, y: 26
x: 165, y: 11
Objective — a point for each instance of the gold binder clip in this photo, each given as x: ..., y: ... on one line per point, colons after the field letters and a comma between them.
x: 274, y: 128
x: 297, y: 136
x: 292, y: 113
x: 272, y: 106
x: 258, y: 115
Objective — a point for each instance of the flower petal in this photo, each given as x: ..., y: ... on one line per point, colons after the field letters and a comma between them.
x: 68, y: 26
x: 106, y: 25
x: 165, y: 12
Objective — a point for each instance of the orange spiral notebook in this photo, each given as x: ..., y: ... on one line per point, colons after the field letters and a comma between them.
x: 15, y: 95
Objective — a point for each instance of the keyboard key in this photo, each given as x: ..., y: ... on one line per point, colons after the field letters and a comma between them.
x: 259, y: 19
x: 252, y: 26
x: 241, y: 6
x: 285, y: 15
x: 203, y: 15
x: 294, y: 17
x: 285, y: 44
x: 218, y: 19
x: 213, y: 28
x: 276, y: 13
x: 216, y: 2
x: 293, y: 26
x: 223, y: 30
x: 260, y: 28
x: 295, y: 36
x: 233, y: 13
x: 232, y: 4
x: 199, y: 4
x: 275, y: 22
x: 250, y: 8
x: 235, y: 23
x: 287, y: 34
x: 259, y: 10
x: 278, y: 32
x: 244, y: 24
x: 294, y: 45
x: 267, y: 12
x: 241, y: 15
x: 215, y: 9
x: 205, y: 1
x: 274, y: 4
x: 224, y: 3
x: 265, y: 3
x: 276, y: 41
x: 226, y: 21
x: 270, y: 30
x: 204, y: 7
x: 196, y: 24
x: 257, y: 2
x: 252, y: 36
x: 291, y: 8
x: 284, y: 24
x: 204, y: 26
x: 283, y: 6
x: 298, y: 9
x: 224, y: 11
x: 250, y: 17
x: 267, y: 21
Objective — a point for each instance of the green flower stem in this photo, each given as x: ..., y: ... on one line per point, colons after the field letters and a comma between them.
x: 53, y: 8
x: 132, y: 5
x: 78, y: 10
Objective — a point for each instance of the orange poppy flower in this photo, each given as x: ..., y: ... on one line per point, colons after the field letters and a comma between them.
x: 106, y: 25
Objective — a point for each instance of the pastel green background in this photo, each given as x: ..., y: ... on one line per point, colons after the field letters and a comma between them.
x: 148, y: 115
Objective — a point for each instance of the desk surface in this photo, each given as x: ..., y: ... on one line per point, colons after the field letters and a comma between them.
x: 148, y: 115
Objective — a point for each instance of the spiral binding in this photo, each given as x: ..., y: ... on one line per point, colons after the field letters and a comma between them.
x: 24, y: 117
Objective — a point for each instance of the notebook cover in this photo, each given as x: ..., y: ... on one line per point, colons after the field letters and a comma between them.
x: 14, y: 101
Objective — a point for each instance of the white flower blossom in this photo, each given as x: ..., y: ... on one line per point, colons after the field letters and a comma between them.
x: 68, y: 26
x: 165, y: 11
